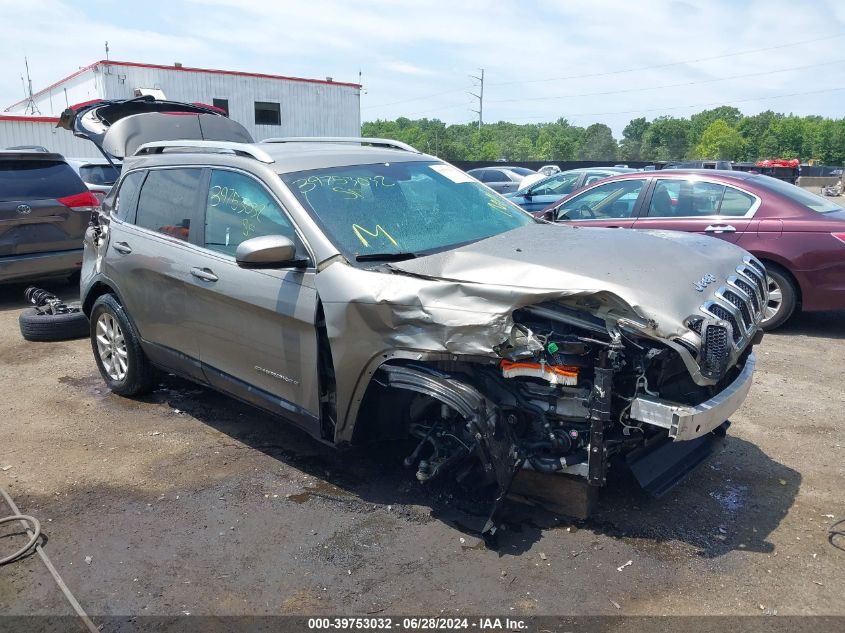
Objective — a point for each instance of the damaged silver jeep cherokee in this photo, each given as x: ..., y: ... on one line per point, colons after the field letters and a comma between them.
x: 364, y: 290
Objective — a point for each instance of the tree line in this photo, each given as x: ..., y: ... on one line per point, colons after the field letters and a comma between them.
x: 722, y: 133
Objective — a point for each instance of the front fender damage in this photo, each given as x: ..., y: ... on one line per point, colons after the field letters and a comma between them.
x: 372, y: 317
x: 494, y: 443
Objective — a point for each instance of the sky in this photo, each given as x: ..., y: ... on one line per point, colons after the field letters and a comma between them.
x: 598, y: 61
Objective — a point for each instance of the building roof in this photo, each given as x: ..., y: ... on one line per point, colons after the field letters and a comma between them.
x: 29, y: 119
x: 212, y: 71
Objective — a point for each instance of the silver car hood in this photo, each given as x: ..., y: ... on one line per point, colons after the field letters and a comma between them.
x: 652, y: 275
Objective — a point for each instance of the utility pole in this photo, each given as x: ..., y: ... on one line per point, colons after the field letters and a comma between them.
x: 480, y: 97
x: 31, y: 107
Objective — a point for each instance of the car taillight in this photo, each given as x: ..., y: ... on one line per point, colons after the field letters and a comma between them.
x: 81, y: 201
x: 839, y: 236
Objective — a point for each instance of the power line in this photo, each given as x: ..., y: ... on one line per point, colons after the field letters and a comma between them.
x: 667, y: 65
x: 677, y: 85
x: 612, y: 72
x: 436, y: 94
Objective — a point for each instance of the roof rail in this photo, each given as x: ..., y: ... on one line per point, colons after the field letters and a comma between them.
x: 378, y: 142
x: 223, y: 147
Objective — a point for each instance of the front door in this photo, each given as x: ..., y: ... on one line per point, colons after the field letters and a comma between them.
x: 698, y: 206
x: 256, y: 328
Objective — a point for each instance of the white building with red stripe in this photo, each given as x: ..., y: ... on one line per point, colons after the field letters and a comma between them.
x: 267, y: 105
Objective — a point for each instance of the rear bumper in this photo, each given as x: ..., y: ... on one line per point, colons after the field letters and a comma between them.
x: 687, y: 422
x: 24, y: 267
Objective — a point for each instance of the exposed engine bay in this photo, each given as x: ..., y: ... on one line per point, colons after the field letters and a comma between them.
x: 558, y: 400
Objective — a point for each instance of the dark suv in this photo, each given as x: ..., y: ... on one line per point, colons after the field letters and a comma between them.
x: 44, y: 211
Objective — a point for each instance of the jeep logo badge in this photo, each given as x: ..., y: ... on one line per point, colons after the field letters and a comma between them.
x: 24, y: 209
x: 705, y: 281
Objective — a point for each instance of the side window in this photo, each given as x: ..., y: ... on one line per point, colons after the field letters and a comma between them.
x: 557, y: 185
x: 238, y: 208
x: 595, y: 176
x: 479, y: 174
x: 495, y: 175
x: 736, y: 203
x: 685, y: 199
x: 127, y: 196
x: 168, y: 201
x: 611, y: 200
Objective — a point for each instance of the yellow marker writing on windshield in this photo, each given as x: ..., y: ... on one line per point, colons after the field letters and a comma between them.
x: 498, y: 205
x: 360, y: 230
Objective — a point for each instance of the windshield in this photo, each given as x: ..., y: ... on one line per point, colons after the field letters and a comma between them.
x: 410, y: 207
x: 796, y: 194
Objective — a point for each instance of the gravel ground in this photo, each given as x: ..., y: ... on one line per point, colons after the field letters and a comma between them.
x: 188, y: 502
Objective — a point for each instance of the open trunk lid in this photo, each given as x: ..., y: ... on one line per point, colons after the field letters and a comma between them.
x: 118, y: 128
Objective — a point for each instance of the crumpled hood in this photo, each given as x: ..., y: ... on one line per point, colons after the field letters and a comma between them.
x: 653, y: 272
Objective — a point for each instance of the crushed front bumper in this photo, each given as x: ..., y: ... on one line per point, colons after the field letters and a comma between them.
x: 687, y: 422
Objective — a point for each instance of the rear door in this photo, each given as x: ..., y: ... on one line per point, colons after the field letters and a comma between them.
x: 256, y: 328
x: 698, y: 206
x: 498, y: 180
x: 148, y: 254
x: 44, y: 206
x: 611, y: 204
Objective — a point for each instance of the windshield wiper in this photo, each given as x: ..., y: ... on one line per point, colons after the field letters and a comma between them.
x: 384, y: 257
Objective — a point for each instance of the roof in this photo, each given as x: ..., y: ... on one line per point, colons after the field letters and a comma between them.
x: 28, y: 119
x: 292, y: 157
x: 212, y: 71
x: 30, y: 155
x: 719, y: 173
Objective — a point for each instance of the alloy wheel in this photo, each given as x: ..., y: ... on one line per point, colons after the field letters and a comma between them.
x: 775, y: 302
x: 111, y: 346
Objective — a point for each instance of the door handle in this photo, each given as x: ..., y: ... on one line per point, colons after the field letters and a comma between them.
x: 204, y: 273
x: 122, y: 247
x: 720, y: 228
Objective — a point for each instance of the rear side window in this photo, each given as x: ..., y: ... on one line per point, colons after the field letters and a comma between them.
x: 736, y: 203
x: 37, y: 179
x: 688, y: 199
x: 127, y: 196
x: 103, y: 175
x: 685, y: 198
x: 168, y: 201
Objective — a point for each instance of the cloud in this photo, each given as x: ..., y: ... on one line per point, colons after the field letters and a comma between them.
x: 405, y: 68
x: 417, y: 58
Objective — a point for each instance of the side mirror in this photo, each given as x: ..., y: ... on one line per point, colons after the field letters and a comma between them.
x: 267, y: 251
x: 549, y: 215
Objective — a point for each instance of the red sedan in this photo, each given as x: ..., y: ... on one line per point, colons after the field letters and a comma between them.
x: 799, y: 236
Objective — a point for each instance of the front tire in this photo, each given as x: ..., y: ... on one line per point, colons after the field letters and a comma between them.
x: 783, y: 297
x: 117, y: 349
